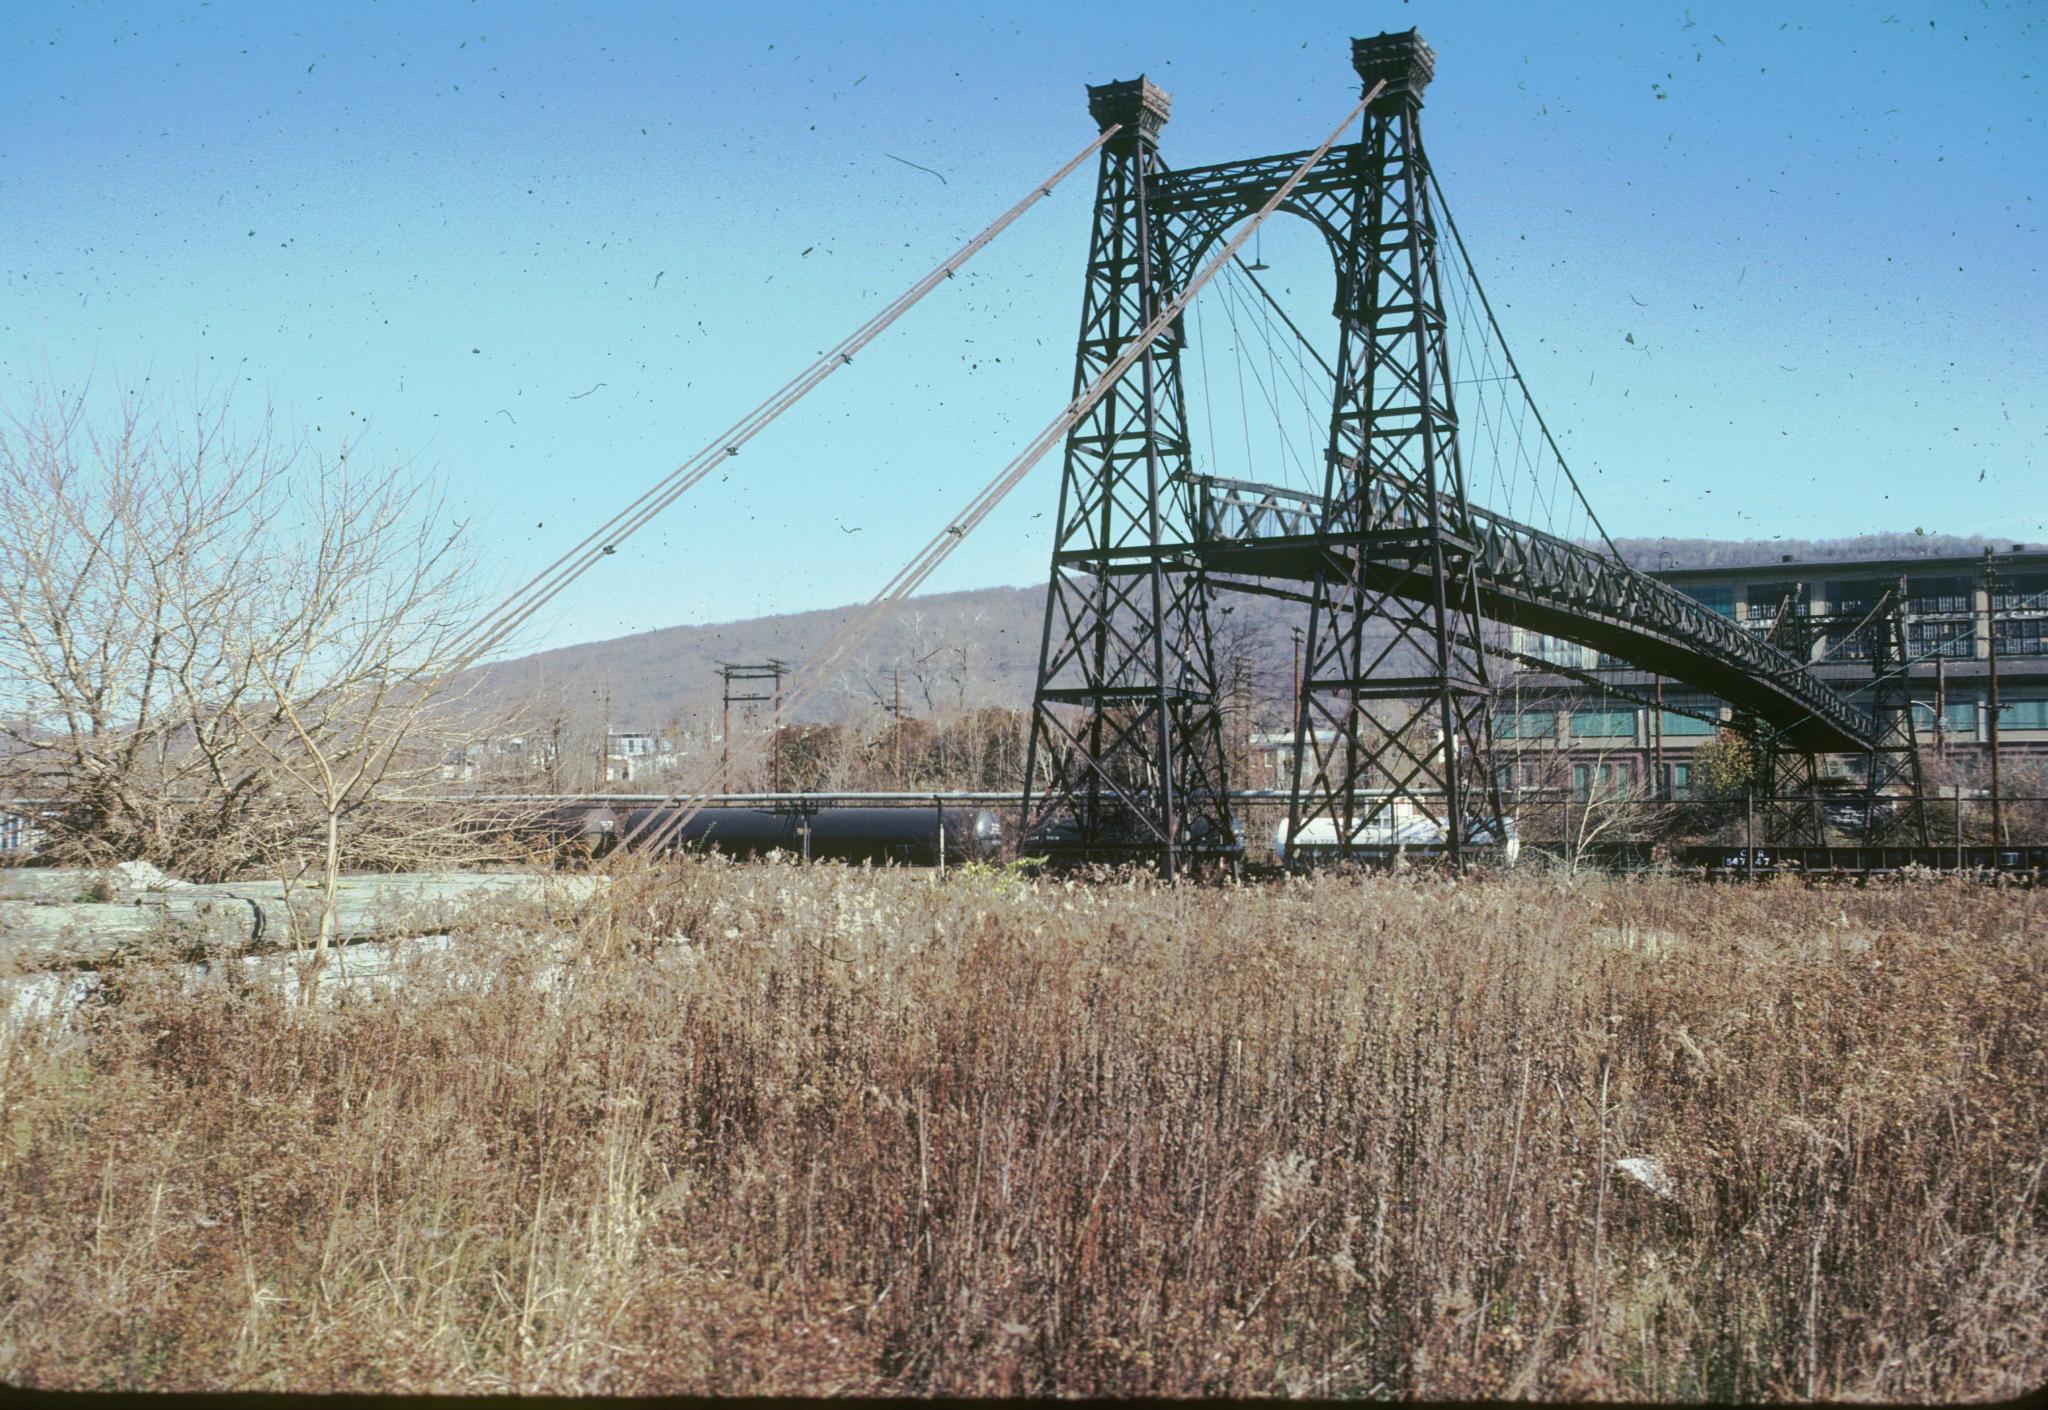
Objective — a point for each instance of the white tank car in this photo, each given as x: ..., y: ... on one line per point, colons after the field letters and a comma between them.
x: 1400, y: 827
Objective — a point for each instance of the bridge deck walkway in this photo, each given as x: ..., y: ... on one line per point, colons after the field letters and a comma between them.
x: 1537, y: 581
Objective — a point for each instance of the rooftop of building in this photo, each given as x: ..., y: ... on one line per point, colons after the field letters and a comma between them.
x: 2014, y: 557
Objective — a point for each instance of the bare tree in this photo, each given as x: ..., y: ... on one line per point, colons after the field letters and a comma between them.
x: 343, y: 650
x: 219, y: 649
x: 126, y: 554
x: 1590, y: 789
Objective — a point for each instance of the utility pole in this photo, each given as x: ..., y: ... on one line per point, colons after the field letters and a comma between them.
x: 1295, y: 725
x: 1991, y: 614
x: 748, y: 679
x: 1657, y: 736
x: 777, y: 736
x: 1241, y: 703
x: 896, y: 721
x: 1941, y: 705
x: 1749, y: 833
x: 1565, y: 837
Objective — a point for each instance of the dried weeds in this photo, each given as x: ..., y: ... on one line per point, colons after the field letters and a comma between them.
x: 817, y: 1131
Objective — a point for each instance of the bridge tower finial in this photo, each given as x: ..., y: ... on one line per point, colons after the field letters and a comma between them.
x: 1139, y: 104
x: 1404, y: 60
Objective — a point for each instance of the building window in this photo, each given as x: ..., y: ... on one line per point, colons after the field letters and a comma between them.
x: 2020, y: 592
x: 1603, y: 781
x: 1603, y: 724
x: 1529, y: 724
x: 1559, y: 652
x: 1713, y: 597
x: 1683, y: 725
x: 1960, y: 717
x: 1678, y: 780
x: 1950, y: 639
x: 1764, y: 600
x: 2021, y: 636
x: 1940, y: 594
x: 2023, y: 714
x: 1848, y: 638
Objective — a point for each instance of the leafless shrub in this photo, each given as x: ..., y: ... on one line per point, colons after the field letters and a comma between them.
x: 223, y: 648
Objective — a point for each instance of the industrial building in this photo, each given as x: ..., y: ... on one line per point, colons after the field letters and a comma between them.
x: 1976, y: 634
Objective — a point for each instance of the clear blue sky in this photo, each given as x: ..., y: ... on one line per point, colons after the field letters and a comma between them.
x: 449, y: 223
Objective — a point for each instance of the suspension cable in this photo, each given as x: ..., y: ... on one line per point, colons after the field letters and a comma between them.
x: 501, y: 622
x: 1301, y: 337
x: 1293, y: 372
x: 928, y: 559
x: 1451, y: 224
x: 1315, y: 422
x: 1301, y: 386
x: 1269, y: 391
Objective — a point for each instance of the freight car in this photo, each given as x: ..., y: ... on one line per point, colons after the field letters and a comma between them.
x: 1403, y: 831
x: 906, y: 836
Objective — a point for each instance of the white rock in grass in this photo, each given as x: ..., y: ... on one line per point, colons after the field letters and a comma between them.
x: 1647, y: 941
x: 1648, y: 1171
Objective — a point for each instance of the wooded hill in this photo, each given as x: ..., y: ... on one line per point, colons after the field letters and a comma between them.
x: 961, y: 650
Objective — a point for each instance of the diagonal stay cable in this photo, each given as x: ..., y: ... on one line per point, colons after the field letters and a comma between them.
x: 942, y: 545
x: 1268, y: 390
x: 1292, y: 327
x: 1315, y: 422
x: 1294, y: 375
x: 492, y: 629
x: 1317, y: 414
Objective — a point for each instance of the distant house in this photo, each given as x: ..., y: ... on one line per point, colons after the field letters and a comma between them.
x: 631, y: 754
x: 496, y: 756
x: 1269, y: 757
x: 19, y: 837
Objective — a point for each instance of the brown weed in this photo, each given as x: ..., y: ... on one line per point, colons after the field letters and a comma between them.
x: 813, y: 1131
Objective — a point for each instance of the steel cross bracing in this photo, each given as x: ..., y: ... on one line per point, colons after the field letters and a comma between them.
x: 1894, y: 756
x: 1125, y: 746
x: 1125, y: 721
x: 1376, y: 728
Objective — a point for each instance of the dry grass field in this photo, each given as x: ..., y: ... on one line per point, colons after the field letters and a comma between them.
x: 812, y: 1131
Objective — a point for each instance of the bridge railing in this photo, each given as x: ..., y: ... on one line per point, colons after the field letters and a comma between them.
x: 1528, y: 560
x: 1541, y: 567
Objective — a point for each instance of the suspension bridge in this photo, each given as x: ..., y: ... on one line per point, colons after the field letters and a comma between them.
x: 1438, y: 515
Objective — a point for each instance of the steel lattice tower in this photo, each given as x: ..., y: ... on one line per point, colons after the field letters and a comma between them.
x: 1125, y: 719
x: 1396, y: 697
x: 1402, y: 712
